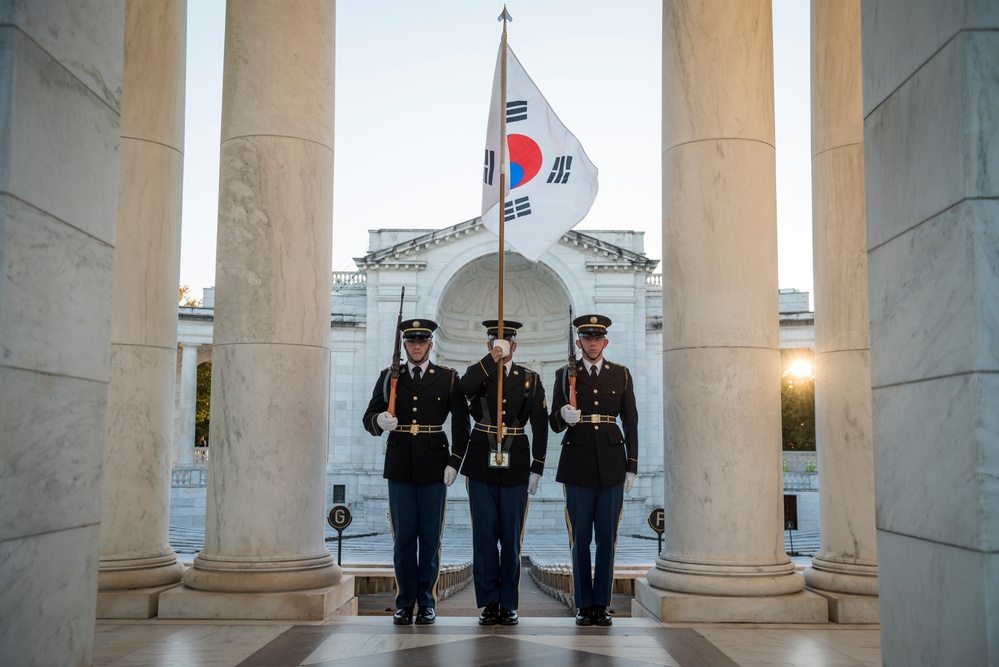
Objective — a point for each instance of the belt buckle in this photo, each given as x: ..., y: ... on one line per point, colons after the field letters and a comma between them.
x: 414, y: 429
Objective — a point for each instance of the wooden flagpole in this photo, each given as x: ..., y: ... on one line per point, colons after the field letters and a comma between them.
x: 502, y: 207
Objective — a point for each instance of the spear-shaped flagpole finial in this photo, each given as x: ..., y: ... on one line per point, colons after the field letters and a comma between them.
x: 505, y: 16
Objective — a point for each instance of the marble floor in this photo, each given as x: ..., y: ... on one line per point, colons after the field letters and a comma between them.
x: 372, y: 641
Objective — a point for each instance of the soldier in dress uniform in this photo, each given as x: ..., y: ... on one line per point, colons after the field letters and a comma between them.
x: 598, y: 462
x: 498, y: 484
x: 418, y: 464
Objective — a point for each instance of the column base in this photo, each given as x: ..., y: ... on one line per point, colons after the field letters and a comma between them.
x: 248, y: 575
x: 673, y: 607
x: 122, y: 574
x: 308, y: 605
x: 841, y: 576
x: 850, y: 587
x: 850, y: 609
x: 132, y: 603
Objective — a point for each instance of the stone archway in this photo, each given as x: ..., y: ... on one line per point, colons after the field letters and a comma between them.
x: 533, y: 294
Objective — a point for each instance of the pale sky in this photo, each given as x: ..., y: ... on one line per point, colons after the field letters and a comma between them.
x: 412, y: 93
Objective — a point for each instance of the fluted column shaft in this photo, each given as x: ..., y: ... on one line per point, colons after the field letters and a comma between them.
x: 847, y: 559
x: 271, y: 359
x: 135, y: 552
x: 188, y: 401
x: 721, y: 356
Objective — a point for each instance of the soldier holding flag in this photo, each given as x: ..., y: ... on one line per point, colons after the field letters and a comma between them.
x: 538, y: 180
x: 502, y: 467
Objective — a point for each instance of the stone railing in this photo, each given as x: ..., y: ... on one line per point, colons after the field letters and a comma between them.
x: 189, y: 476
x: 341, y: 278
x: 801, y: 481
x: 555, y: 579
x: 201, y: 455
x: 801, y: 461
x: 369, y: 579
x: 801, y: 471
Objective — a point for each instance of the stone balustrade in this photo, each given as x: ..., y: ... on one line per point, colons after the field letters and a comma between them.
x: 370, y: 579
x: 194, y: 476
x: 801, y: 462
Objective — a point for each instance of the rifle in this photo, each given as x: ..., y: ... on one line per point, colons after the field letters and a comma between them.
x: 396, y: 356
x: 572, y: 363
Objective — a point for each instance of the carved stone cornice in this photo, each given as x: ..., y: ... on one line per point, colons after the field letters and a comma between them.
x: 414, y: 265
x: 614, y: 267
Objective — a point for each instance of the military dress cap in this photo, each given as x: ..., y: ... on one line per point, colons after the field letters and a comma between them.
x: 417, y: 329
x: 591, y: 325
x: 509, y: 328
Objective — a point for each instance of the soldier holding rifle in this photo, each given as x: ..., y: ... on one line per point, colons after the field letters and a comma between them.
x: 412, y: 402
x: 598, y: 461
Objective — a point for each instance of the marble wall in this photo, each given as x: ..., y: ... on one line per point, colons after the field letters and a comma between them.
x: 60, y: 93
x: 931, y: 133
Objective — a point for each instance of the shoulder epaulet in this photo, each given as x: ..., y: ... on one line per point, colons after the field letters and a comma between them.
x: 446, y: 368
x: 529, y: 370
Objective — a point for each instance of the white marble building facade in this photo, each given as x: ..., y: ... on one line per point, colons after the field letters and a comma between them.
x: 450, y: 277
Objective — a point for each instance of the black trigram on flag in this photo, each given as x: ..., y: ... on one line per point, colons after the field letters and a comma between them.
x: 560, y: 170
x: 516, y: 208
x: 516, y: 110
x: 490, y: 167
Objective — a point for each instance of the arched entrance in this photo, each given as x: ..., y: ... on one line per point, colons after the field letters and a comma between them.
x: 533, y: 295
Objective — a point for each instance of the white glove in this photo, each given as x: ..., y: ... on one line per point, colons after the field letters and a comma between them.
x: 386, y: 421
x: 570, y: 415
x: 532, y: 483
x: 629, y: 481
x: 503, y: 345
x: 450, y: 474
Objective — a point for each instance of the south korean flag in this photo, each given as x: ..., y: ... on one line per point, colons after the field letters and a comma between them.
x: 551, y: 182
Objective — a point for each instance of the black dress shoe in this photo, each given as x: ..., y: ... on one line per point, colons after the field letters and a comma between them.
x: 426, y: 616
x: 601, y: 616
x: 508, y: 616
x: 583, y: 616
x: 490, y: 615
x: 403, y: 616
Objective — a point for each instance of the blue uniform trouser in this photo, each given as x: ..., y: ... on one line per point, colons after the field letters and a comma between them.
x: 417, y: 515
x: 593, y: 511
x: 498, y: 515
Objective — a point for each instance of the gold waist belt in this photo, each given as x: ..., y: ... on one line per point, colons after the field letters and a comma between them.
x: 597, y: 419
x: 414, y: 429
x: 507, y: 430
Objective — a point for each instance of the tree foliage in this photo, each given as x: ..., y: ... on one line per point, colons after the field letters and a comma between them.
x: 203, y: 406
x: 184, y: 298
x: 797, y: 403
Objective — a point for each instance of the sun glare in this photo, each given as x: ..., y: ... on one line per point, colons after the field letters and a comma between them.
x: 801, y: 368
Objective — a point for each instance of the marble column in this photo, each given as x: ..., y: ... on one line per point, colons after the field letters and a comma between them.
x: 136, y: 559
x: 723, y: 556
x: 60, y: 77
x: 931, y: 137
x: 188, y: 401
x: 270, y: 366
x: 845, y: 568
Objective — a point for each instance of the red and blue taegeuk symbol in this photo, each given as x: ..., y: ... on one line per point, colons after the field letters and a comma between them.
x: 525, y: 159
